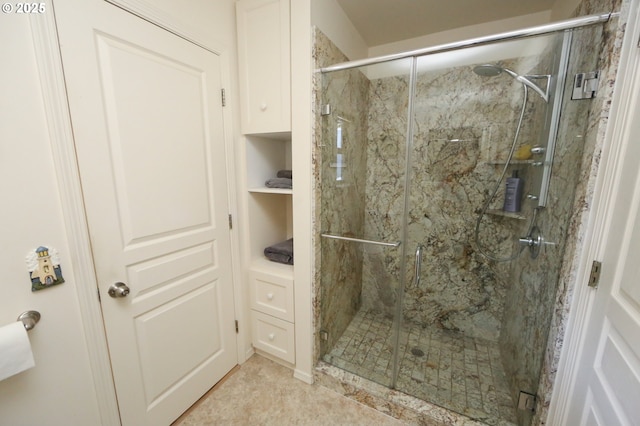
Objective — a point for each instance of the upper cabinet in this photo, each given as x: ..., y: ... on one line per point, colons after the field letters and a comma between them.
x: 264, y: 62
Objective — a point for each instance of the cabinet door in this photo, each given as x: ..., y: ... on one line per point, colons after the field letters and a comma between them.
x: 264, y: 60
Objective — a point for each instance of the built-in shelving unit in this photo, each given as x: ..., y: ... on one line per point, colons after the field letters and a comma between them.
x: 265, y: 70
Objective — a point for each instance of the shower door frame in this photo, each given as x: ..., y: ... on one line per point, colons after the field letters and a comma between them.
x: 567, y: 24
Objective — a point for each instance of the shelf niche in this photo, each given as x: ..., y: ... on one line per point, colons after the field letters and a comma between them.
x: 265, y: 156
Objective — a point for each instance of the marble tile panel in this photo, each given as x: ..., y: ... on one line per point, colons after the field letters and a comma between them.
x: 338, y: 177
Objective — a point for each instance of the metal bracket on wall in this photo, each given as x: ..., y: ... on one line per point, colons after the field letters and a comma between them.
x: 585, y: 85
x: 526, y: 401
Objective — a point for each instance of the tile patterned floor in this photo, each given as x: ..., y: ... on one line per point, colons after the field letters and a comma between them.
x: 457, y: 372
x: 261, y: 392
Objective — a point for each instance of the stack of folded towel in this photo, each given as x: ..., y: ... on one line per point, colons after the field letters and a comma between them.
x: 281, y: 252
x: 283, y: 180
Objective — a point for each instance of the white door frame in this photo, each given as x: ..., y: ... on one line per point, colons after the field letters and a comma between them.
x: 50, y: 71
x: 613, y: 153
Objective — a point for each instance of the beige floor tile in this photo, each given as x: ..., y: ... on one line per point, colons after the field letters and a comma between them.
x: 262, y: 392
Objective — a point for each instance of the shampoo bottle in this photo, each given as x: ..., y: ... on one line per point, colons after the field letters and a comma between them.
x: 513, y: 193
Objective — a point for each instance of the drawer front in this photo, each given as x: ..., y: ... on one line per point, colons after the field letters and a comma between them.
x: 274, y: 336
x: 272, y: 295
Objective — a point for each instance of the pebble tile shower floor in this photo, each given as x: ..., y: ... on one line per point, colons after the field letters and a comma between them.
x: 457, y: 372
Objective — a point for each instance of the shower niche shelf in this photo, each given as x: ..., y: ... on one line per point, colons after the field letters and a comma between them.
x: 511, y: 215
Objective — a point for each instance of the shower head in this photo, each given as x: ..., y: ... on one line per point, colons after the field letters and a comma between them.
x: 489, y: 70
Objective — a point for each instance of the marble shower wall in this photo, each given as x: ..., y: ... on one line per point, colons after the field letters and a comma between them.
x: 464, y: 126
x: 340, y: 181
x: 384, y: 199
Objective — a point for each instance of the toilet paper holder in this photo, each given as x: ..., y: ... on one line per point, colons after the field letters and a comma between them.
x: 29, y: 319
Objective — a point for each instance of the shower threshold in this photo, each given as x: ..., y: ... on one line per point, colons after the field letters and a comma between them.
x: 462, y: 374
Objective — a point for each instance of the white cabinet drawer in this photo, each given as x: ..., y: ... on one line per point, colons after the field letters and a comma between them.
x: 274, y: 336
x: 271, y: 294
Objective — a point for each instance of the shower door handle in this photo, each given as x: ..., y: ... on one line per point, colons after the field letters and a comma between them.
x: 418, y: 264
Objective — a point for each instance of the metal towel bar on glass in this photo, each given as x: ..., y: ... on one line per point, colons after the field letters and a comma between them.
x: 359, y: 240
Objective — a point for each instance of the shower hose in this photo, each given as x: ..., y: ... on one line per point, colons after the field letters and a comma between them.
x: 482, y: 250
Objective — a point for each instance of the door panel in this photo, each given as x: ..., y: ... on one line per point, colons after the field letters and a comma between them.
x: 147, y: 120
x: 617, y: 370
x: 144, y: 148
x: 179, y: 318
x: 615, y: 367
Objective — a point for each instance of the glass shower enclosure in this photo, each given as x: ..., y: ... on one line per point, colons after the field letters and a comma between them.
x: 431, y: 282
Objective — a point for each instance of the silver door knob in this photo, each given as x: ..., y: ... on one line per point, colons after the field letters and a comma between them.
x: 118, y: 290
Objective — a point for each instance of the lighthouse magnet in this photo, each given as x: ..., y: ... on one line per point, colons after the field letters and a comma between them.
x: 43, y: 265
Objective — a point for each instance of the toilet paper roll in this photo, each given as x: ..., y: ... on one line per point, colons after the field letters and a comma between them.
x: 15, y: 350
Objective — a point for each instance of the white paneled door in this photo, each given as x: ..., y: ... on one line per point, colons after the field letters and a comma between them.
x: 147, y: 119
x: 607, y: 388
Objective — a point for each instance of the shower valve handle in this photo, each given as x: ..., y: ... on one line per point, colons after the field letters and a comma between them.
x: 533, y: 241
x: 529, y: 241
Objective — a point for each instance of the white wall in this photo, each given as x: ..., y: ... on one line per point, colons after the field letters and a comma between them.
x: 59, y: 389
x: 563, y: 9
x: 462, y: 33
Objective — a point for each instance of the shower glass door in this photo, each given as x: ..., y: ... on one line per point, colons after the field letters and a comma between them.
x: 363, y: 159
x: 476, y: 120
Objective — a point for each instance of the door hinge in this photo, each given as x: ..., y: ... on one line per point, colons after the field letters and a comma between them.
x: 237, y: 328
x: 594, y: 277
x: 230, y: 222
x: 224, y: 98
x: 585, y: 85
